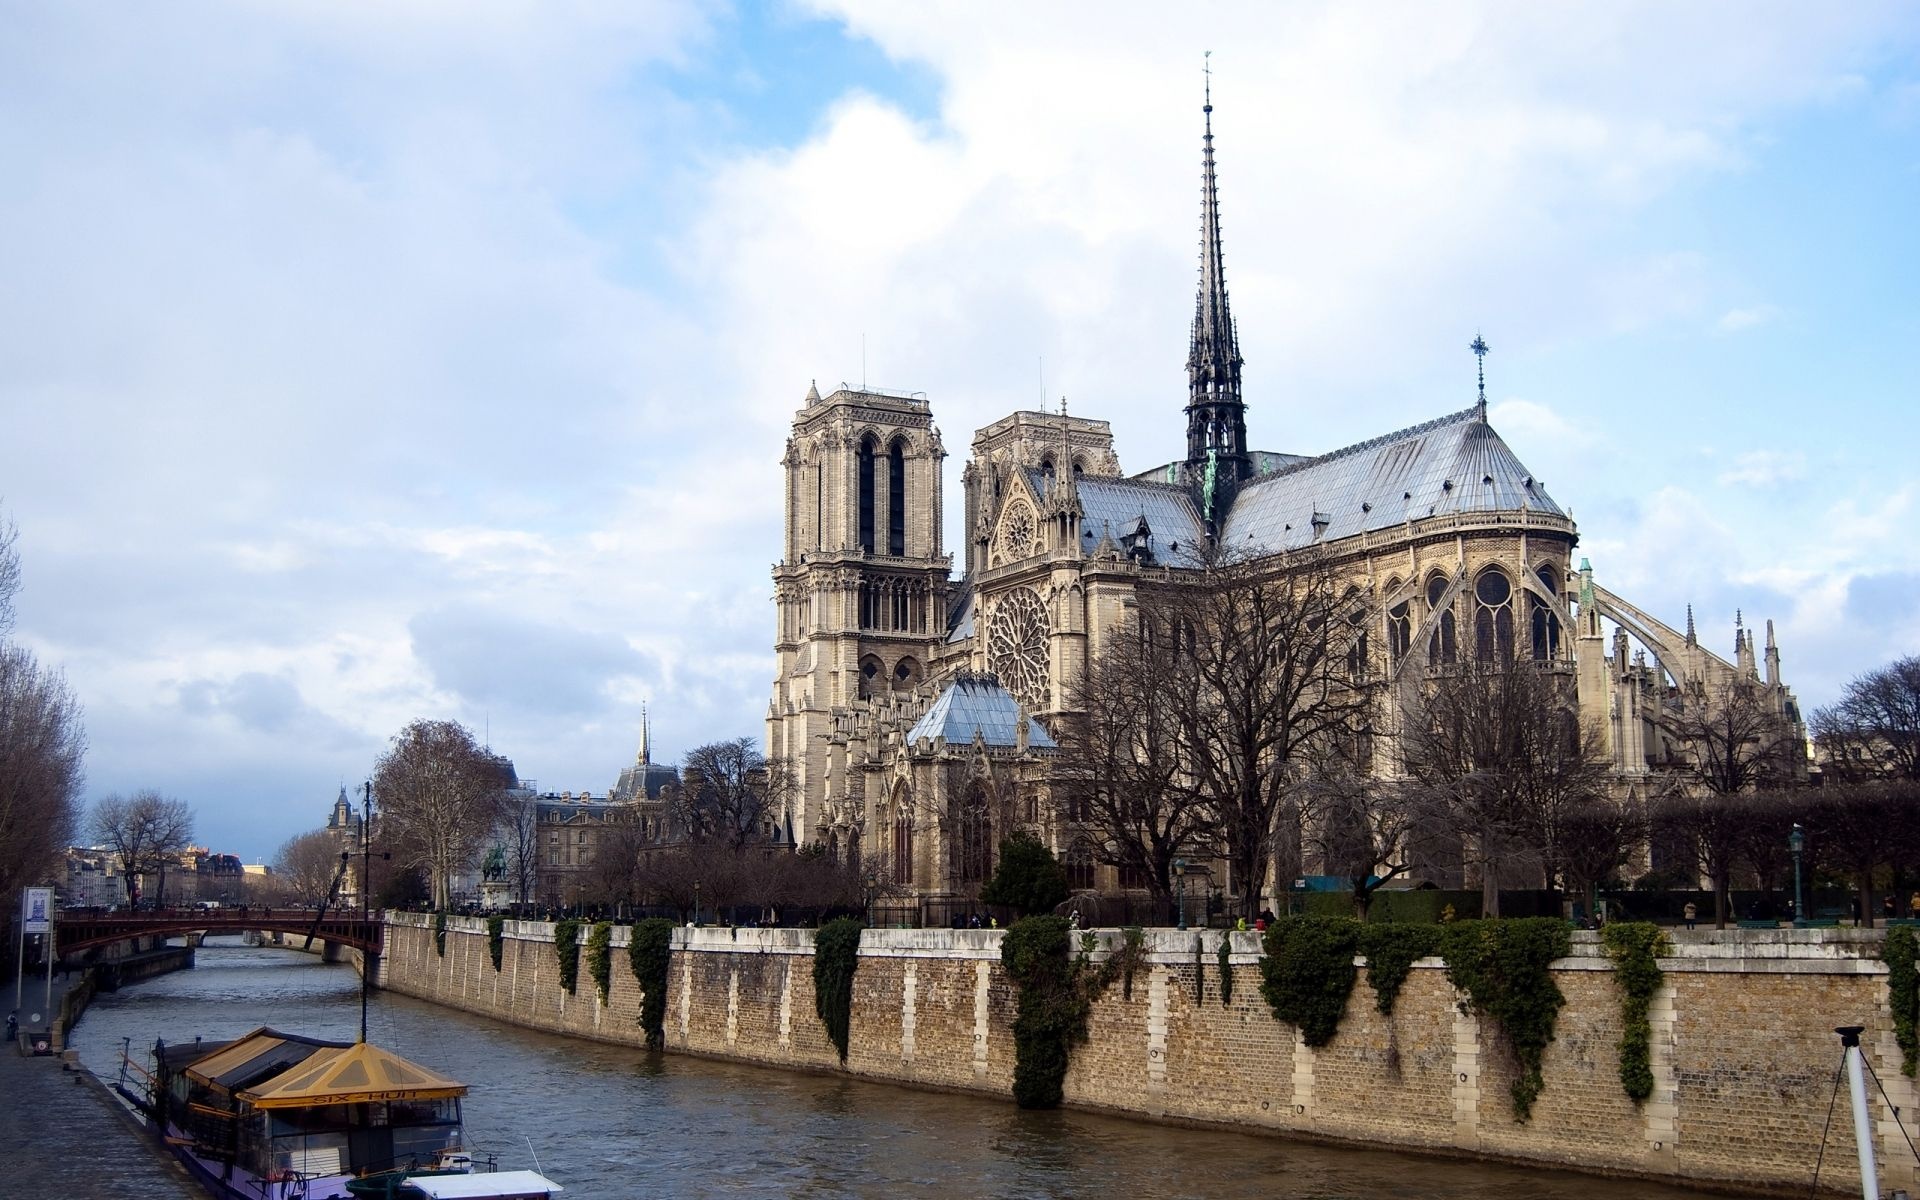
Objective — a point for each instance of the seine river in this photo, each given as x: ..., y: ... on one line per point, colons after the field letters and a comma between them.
x: 610, y: 1122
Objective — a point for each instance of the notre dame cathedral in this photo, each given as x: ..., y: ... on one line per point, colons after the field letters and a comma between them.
x: 917, y: 709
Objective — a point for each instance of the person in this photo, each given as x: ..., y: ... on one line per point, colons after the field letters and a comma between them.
x: 13, y: 1028
x: 1689, y: 912
x: 1913, y: 906
x: 1076, y: 918
x: 1266, y: 915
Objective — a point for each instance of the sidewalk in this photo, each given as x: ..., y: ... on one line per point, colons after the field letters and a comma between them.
x: 63, y: 1134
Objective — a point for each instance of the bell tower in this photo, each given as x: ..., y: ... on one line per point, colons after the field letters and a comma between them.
x: 861, y: 593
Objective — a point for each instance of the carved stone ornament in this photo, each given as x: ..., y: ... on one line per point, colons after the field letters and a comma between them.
x: 1017, y: 530
x: 1017, y: 646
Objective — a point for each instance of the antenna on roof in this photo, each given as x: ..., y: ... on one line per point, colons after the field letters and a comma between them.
x: 1479, y: 347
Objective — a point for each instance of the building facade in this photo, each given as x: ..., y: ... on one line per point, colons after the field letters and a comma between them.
x: 919, y: 710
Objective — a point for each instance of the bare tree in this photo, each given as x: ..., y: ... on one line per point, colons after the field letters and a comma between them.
x: 1500, y: 743
x: 1857, y: 828
x: 440, y: 796
x: 1119, y: 776
x: 42, y: 753
x: 732, y: 794
x: 307, y: 865
x: 9, y: 572
x: 614, y: 875
x: 1362, y: 827
x: 518, y: 832
x: 1259, y: 679
x: 1874, y: 729
x: 147, y: 831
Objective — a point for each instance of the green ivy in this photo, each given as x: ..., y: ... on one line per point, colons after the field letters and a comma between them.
x: 566, y: 949
x: 440, y: 932
x: 1125, y: 961
x: 1307, y: 972
x: 1502, y: 966
x: 1391, y: 950
x: 496, y: 938
x: 1051, y: 1015
x: 1199, y: 969
x: 836, y: 956
x: 1634, y: 946
x: 1903, y: 987
x: 1226, y: 970
x: 600, y: 956
x: 649, y: 952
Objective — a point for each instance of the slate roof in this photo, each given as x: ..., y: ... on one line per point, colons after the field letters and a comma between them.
x: 971, y: 703
x: 1115, y: 506
x: 1455, y: 464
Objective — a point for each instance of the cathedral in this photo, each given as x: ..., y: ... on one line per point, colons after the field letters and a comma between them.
x: 918, y: 710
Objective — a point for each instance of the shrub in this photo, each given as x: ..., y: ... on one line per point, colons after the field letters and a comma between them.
x: 440, y: 932
x: 1307, y: 972
x: 496, y: 938
x: 600, y: 957
x: 1052, y: 1009
x: 1501, y: 965
x: 649, y: 952
x: 836, y: 956
x: 1899, y: 952
x: 1633, y: 946
x: 1028, y: 879
x: 566, y: 949
x: 1226, y: 970
x: 1391, y: 951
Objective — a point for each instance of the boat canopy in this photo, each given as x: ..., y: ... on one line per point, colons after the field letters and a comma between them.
x: 262, y: 1054
x: 355, y: 1074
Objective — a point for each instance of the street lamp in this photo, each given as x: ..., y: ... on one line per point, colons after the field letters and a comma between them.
x: 1796, y: 842
x: 1180, y: 874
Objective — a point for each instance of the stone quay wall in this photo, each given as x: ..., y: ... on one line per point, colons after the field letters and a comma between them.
x: 1744, y: 1054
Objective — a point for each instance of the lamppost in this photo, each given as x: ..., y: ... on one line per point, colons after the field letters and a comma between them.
x: 1180, y: 876
x: 366, y: 897
x: 1796, y: 842
x: 696, y: 902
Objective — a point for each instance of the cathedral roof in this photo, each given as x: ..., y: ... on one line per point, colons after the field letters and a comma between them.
x: 1455, y: 464
x: 1116, y: 506
x: 977, y: 703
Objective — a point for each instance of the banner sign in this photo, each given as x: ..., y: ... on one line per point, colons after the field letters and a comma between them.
x: 36, y: 910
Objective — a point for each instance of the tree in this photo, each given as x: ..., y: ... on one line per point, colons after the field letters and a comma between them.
x: 518, y: 838
x: 732, y: 794
x: 1259, y: 679
x: 147, y: 831
x: 1873, y: 730
x: 1361, y: 827
x: 1119, y: 774
x: 307, y: 865
x: 1501, y: 745
x: 440, y: 795
x: 42, y: 753
x: 9, y: 572
x: 1028, y: 878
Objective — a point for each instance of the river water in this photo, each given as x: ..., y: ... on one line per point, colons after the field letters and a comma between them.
x: 610, y: 1122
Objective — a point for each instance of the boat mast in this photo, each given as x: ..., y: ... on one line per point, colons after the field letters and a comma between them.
x: 366, y: 886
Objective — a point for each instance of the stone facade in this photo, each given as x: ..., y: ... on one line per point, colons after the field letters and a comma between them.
x: 1744, y: 1056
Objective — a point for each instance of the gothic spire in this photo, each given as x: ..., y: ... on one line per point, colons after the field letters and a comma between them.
x: 1216, y: 416
x: 1479, y: 347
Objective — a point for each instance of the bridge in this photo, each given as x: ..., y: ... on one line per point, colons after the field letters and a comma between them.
x: 81, y: 929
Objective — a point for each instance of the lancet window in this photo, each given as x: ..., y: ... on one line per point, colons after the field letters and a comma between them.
x: 865, y: 469
x: 973, y: 847
x: 896, y: 498
x: 1492, y: 616
x: 1443, y: 646
x: 1546, y: 625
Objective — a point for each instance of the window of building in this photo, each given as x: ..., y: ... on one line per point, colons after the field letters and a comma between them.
x: 896, y: 499
x: 1492, y: 617
x: 1443, y: 646
x: 902, y: 840
x: 1546, y: 626
x: 1079, y: 866
x: 973, y: 848
x: 865, y: 460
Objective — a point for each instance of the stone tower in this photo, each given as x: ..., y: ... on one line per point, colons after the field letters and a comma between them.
x: 861, y: 593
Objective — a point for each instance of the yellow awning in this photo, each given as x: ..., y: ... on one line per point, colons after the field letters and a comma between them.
x: 353, y: 1075
x: 208, y: 1070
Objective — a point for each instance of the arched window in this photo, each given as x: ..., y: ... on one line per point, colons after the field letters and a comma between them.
x: 866, y: 494
x: 1492, y: 616
x: 1079, y: 865
x: 902, y: 837
x: 1443, y: 647
x: 1357, y: 631
x: 906, y: 673
x: 973, y: 848
x: 1046, y: 474
x: 897, y: 498
x: 1546, y: 626
x: 1399, y: 625
x: 869, y: 676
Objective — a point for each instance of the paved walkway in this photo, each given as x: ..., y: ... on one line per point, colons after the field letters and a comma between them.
x: 63, y: 1134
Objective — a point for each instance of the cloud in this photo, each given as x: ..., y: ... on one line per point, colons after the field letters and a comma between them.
x: 1764, y: 468
x: 1737, y: 320
x: 496, y: 659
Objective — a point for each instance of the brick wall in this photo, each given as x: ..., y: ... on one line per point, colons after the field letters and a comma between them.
x: 1744, y: 1055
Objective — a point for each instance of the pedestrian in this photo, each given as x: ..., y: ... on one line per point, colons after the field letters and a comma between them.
x: 1913, y: 906
x: 13, y: 1029
x: 1076, y: 918
x: 1689, y: 912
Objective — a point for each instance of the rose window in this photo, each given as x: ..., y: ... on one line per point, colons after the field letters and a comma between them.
x: 1017, y: 647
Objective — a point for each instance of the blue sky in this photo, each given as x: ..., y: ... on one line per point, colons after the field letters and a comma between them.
x: 361, y: 362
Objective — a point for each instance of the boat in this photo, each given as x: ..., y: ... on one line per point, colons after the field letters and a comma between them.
x: 278, y: 1116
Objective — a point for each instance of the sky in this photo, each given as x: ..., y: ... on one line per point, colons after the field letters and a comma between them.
x: 364, y: 362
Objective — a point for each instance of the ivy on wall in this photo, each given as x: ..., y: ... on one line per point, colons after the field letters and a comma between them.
x: 1633, y: 946
x: 649, y: 952
x: 600, y: 957
x: 1501, y: 965
x: 1056, y: 991
x: 496, y: 938
x: 1903, y: 991
x: 1391, y: 949
x: 440, y: 932
x: 566, y: 949
x: 1226, y: 970
x: 1307, y: 972
x: 836, y: 956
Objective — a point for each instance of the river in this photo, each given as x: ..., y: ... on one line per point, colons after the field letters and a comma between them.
x: 611, y: 1122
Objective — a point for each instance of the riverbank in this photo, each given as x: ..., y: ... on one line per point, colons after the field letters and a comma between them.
x: 1743, y: 1054
x: 63, y: 1134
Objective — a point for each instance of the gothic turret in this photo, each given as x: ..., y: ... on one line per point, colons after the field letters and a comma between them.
x: 1216, y: 416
